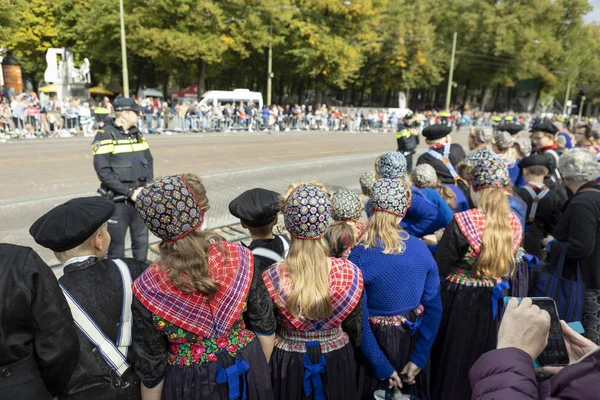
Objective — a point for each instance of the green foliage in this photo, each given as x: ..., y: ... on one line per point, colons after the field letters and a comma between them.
x: 379, y: 45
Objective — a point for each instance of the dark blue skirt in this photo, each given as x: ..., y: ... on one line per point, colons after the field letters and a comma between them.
x: 200, y: 382
x: 467, y: 330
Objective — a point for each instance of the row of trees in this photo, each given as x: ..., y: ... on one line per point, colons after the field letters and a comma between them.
x: 358, y: 51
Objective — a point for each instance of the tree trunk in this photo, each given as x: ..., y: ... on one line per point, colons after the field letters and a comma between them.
x: 301, y: 91
x: 466, y: 94
x: 201, y: 78
x: 388, y: 95
x: 537, y: 98
x: 362, y: 94
x: 165, y: 84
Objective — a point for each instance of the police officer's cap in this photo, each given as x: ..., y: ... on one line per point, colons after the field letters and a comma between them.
x: 437, y: 131
x: 408, y: 115
x: 72, y: 223
x: 513, y: 129
x: 126, y: 104
x: 535, y: 160
x: 547, y: 127
x: 256, y: 207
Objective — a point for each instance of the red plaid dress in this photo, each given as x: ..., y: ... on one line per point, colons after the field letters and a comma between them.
x: 345, y: 289
x: 472, y: 224
x: 231, y: 268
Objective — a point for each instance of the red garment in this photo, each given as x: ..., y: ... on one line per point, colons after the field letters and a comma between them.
x: 436, y: 146
x: 472, y: 224
x: 553, y: 146
x: 345, y: 290
x: 230, y: 265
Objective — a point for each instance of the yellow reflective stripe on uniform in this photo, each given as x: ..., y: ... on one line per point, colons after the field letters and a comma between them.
x: 130, y: 148
x: 106, y: 141
x: 105, y: 149
x: 403, y: 133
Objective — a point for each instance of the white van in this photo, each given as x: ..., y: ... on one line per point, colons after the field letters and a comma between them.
x: 214, y: 97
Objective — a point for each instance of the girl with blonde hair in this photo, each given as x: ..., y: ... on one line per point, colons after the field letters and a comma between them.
x: 402, y: 288
x: 201, y: 292
x: 318, y: 306
x: 476, y: 255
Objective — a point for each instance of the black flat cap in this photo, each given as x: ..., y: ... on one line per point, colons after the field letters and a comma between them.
x: 513, y: 129
x: 256, y: 207
x: 437, y: 131
x: 126, y: 104
x: 69, y: 225
x: 547, y: 127
x: 535, y: 160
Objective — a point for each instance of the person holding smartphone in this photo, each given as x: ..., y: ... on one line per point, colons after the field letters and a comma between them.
x: 508, y: 373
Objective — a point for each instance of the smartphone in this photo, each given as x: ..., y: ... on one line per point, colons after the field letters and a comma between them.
x: 555, y: 353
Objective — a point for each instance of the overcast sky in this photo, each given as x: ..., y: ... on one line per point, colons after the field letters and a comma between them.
x: 594, y: 15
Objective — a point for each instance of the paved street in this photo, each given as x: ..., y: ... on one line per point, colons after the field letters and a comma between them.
x: 36, y: 175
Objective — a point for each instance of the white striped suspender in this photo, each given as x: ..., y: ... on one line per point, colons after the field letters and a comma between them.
x: 536, y: 200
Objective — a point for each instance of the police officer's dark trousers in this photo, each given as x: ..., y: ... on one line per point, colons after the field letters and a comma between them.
x: 126, y: 216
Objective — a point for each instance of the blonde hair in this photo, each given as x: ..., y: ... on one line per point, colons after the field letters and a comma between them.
x: 341, y: 236
x: 383, y: 229
x: 186, y: 260
x: 307, y: 264
x: 84, y: 249
x: 496, y: 258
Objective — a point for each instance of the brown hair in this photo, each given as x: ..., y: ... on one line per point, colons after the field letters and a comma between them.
x: 383, y: 229
x: 537, y: 170
x: 465, y: 171
x: 186, y: 260
x: 496, y: 258
x: 308, y: 270
x: 340, y: 236
x: 447, y: 194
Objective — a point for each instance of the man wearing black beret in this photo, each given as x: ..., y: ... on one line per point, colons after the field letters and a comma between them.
x: 543, y: 138
x: 98, y: 292
x: 444, y: 156
x: 257, y: 210
x: 543, y: 204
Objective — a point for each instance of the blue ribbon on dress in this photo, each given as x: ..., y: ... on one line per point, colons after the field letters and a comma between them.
x: 231, y: 376
x: 532, y: 261
x: 312, y: 377
x: 413, y: 326
x: 498, y: 295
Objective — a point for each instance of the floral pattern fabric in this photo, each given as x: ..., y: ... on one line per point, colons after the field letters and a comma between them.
x: 345, y: 206
x: 424, y: 176
x: 392, y: 165
x: 169, y: 208
x: 306, y: 212
x: 490, y: 172
x: 186, y: 349
x: 391, y: 196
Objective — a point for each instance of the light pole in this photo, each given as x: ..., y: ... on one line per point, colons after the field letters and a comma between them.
x: 270, y: 66
x: 124, y: 52
x: 451, y: 74
x: 567, y: 96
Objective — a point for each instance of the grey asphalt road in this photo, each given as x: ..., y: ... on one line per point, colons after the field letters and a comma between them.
x: 36, y: 175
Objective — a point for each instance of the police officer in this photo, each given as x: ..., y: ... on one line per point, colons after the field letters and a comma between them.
x: 407, y: 138
x: 124, y: 164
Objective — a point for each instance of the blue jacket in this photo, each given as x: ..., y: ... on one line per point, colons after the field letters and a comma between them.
x: 395, y: 284
x: 462, y: 203
x: 445, y: 213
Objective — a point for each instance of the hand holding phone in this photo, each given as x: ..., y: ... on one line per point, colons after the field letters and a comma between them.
x: 524, y: 326
x: 577, y: 347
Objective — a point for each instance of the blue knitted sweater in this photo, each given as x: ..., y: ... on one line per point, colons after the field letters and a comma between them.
x: 395, y: 284
x: 445, y: 213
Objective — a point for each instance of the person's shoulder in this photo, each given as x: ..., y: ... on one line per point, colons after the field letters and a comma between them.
x: 14, y: 254
x: 135, y: 267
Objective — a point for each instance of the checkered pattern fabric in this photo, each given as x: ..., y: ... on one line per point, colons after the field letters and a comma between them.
x: 329, y: 340
x: 345, y: 290
x: 472, y: 224
x: 230, y: 265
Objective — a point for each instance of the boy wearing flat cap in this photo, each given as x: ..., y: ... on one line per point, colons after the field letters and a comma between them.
x: 543, y: 204
x: 257, y: 210
x: 543, y: 137
x: 98, y: 292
